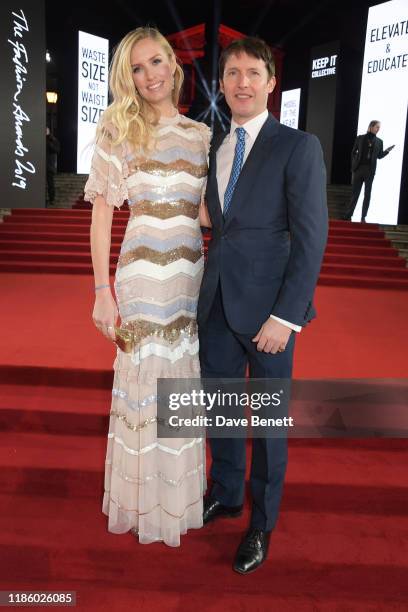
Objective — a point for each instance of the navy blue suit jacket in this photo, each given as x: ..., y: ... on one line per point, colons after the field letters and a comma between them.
x: 268, y: 250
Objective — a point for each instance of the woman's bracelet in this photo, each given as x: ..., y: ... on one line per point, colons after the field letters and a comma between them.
x: 101, y: 287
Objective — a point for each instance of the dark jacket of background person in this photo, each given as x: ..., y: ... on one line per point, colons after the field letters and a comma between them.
x: 377, y: 152
x: 53, y: 148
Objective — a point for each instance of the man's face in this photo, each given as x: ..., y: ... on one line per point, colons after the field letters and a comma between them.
x: 375, y: 128
x: 246, y: 86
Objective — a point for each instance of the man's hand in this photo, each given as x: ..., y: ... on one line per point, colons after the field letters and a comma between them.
x: 272, y: 337
x: 388, y: 149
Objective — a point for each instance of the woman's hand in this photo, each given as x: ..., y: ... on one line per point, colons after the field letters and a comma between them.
x: 105, y: 313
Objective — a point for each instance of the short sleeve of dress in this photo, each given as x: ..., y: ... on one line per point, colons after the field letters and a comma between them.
x: 206, y: 136
x: 108, y: 172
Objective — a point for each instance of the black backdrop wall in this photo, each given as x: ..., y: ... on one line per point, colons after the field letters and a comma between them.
x: 23, y: 104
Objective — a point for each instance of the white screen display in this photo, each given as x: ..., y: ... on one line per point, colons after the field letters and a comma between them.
x: 290, y: 103
x: 384, y: 97
x: 93, y: 66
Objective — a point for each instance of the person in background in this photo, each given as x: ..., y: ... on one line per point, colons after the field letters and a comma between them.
x: 52, y: 150
x: 366, y: 150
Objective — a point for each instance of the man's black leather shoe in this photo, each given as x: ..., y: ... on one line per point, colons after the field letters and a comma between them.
x: 214, y: 509
x: 252, y: 551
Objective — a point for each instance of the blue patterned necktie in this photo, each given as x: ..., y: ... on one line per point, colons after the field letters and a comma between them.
x: 236, y: 168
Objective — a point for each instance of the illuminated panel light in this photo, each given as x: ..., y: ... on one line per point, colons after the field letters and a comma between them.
x: 384, y: 97
x: 290, y: 104
x: 52, y: 97
x: 93, y: 66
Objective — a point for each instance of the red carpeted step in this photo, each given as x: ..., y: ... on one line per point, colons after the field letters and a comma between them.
x: 351, y: 240
x: 344, y: 545
x: 54, y: 376
x: 57, y: 241
x: 76, y: 219
x: 82, y: 411
x: 52, y: 230
x: 50, y: 267
x: 362, y: 282
x: 54, y: 227
x: 384, y: 251
x: 48, y: 219
x: 40, y: 398
x: 53, y: 246
x: 363, y: 277
x: 365, y: 270
x: 356, y: 232
x: 49, y: 256
x: 88, y: 206
x: 55, y: 410
x: 341, y: 223
x: 80, y: 253
x: 39, y: 220
x: 365, y: 260
x: 59, y: 213
x: 15, y: 235
x: 75, y: 253
x: 40, y: 454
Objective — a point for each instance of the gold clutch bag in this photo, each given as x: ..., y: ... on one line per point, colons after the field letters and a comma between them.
x: 124, y: 339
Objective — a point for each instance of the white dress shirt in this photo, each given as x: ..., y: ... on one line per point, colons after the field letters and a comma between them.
x: 225, y: 157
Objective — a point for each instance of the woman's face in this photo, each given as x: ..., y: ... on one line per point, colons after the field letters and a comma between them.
x: 152, y: 72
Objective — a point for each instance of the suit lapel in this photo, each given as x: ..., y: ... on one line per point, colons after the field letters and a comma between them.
x: 251, y: 166
x: 213, y: 203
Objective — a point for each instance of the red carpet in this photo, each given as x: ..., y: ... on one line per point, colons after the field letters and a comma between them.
x: 341, y: 542
x: 48, y: 327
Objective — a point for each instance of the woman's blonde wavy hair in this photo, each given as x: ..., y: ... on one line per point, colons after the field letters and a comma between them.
x: 129, y: 113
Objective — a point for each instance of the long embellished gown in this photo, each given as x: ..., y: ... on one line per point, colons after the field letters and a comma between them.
x: 154, y: 487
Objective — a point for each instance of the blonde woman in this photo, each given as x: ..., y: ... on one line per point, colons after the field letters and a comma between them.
x: 149, y: 154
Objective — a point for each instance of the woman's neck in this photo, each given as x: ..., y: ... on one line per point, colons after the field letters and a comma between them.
x: 166, y: 109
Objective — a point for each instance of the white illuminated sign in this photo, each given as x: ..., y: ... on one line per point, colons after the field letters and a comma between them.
x: 324, y: 66
x: 384, y: 97
x: 290, y: 104
x: 93, y: 65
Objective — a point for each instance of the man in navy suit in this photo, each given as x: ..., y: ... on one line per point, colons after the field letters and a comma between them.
x: 266, y: 199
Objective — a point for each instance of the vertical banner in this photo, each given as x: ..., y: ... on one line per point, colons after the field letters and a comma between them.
x: 384, y: 97
x: 23, y: 104
x: 321, y: 102
x: 93, y: 68
x: 290, y: 105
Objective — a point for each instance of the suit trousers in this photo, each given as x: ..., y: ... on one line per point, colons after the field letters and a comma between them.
x: 363, y: 174
x: 226, y: 354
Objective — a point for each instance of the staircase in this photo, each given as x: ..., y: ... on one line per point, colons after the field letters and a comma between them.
x: 69, y: 188
x: 398, y: 236
x: 338, y: 196
x: 57, y: 241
